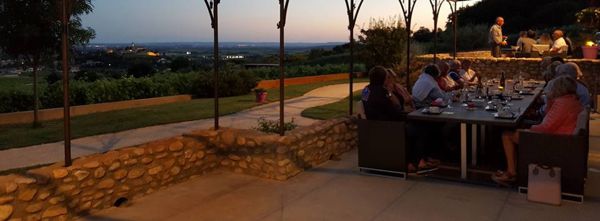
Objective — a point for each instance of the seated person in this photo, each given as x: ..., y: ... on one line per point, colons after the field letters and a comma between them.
x: 526, y: 42
x: 522, y: 34
x: 469, y: 76
x: 572, y: 70
x: 563, y: 110
x: 560, y: 44
x: 426, y: 89
x: 545, y: 39
x: 443, y: 80
x: 380, y: 100
x: 552, y: 73
x: 400, y: 90
x: 454, y: 73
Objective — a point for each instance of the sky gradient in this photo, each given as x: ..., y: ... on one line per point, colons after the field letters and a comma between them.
x: 123, y: 21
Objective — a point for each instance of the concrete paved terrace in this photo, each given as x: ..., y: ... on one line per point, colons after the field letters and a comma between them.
x: 336, y: 191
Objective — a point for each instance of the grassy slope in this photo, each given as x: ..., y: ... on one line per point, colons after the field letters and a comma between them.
x: 12, y: 136
x: 330, y: 111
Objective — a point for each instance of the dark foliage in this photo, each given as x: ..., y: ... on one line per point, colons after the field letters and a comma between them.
x: 523, y: 14
x: 141, y: 69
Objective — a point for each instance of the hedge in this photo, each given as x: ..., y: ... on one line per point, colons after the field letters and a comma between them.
x: 200, y: 84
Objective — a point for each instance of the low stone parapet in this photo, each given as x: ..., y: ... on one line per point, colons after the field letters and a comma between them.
x: 104, y: 180
x: 275, y: 157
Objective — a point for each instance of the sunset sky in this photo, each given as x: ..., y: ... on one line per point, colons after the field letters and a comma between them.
x: 122, y: 21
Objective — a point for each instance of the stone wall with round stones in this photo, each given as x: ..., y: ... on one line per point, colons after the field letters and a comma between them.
x: 279, y: 158
x: 100, y: 181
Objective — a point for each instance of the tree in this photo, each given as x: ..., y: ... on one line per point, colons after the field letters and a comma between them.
x: 141, y: 69
x: 527, y: 14
x: 384, y: 43
x: 31, y: 31
x: 180, y: 64
x: 423, y: 35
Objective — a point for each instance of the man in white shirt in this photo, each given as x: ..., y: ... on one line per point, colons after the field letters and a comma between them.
x: 560, y: 45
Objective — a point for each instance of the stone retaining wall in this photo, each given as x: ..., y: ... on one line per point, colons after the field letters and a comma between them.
x: 99, y: 181
x: 275, y: 157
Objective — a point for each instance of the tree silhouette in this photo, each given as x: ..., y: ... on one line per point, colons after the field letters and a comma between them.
x: 283, y: 8
x: 214, y: 22
x: 436, y: 6
x: 408, y: 7
x: 352, y: 11
x: 31, y: 31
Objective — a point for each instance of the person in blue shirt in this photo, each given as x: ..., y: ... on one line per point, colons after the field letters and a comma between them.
x: 426, y: 89
x: 454, y: 73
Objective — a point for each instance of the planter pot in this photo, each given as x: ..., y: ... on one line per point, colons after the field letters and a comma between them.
x: 590, y: 52
x: 261, y: 97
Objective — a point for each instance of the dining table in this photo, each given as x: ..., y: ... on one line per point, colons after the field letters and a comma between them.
x: 479, y: 113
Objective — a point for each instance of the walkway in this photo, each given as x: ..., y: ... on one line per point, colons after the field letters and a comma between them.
x: 336, y: 191
x: 52, y: 152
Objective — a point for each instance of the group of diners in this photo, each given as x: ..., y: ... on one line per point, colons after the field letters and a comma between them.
x: 557, y: 43
x: 528, y: 42
x: 555, y: 112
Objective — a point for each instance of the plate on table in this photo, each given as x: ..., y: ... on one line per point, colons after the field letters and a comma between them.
x: 517, y: 98
x: 525, y: 92
x: 511, y: 117
x: 490, y: 108
x: 427, y: 111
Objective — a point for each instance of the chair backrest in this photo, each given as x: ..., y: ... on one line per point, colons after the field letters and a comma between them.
x: 583, y: 120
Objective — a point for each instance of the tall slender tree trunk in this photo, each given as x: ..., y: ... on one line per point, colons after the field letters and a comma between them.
x: 36, y: 62
x: 435, y: 39
x: 351, y: 77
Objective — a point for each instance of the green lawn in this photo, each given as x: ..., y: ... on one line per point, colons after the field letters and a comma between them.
x: 12, y: 136
x: 331, y: 111
x: 20, y: 83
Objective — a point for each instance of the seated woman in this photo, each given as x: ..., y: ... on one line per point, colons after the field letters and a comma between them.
x: 380, y: 98
x: 571, y: 70
x: 454, y: 74
x: 563, y: 110
x: 469, y: 76
x: 545, y: 39
x: 443, y: 80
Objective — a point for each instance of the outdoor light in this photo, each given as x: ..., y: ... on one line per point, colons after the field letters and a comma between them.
x: 589, y: 43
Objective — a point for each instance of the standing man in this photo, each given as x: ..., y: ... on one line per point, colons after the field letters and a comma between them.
x: 496, y: 39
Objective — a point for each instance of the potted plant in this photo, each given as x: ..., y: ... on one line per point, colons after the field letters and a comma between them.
x: 589, y: 18
x: 261, y: 95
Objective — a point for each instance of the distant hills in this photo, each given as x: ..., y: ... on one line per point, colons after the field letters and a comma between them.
x: 228, y: 45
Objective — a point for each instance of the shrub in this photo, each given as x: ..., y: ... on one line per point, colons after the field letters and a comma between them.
x: 272, y: 126
x: 180, y: 63
x: 15, y: 100
x: 231, y: 83
x: 141, y: 69
x: 305, y: 70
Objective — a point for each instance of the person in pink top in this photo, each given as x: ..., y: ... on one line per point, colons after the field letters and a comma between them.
x: 563, y: 110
